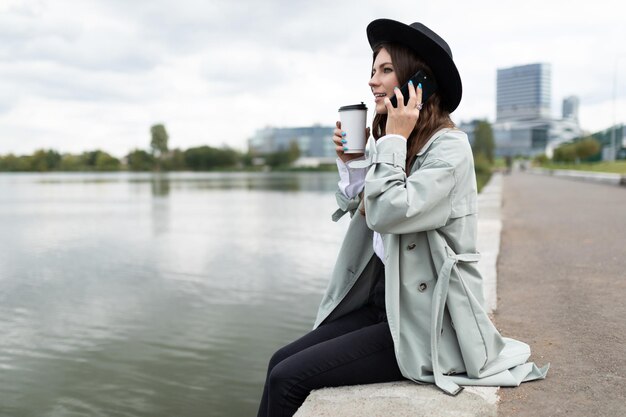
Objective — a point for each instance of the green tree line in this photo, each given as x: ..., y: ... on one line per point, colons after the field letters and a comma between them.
x: 202, y: 158
x: 50, y: 160
x: 158, y: 157
x: 578, y: 151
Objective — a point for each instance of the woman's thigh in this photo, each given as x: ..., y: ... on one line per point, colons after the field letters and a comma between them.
x: 355, y: 320
x: 362, y: 356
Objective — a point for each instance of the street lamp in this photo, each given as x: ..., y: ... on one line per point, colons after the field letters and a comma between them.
x: 614, y: 127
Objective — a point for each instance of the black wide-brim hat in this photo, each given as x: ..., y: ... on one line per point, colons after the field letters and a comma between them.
x: 428, y: 46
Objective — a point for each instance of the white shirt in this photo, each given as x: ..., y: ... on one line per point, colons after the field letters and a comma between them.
x: 351, y: 183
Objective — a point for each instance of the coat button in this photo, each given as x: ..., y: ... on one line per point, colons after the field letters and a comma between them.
x: 411, y: 246
x: 422, y: 287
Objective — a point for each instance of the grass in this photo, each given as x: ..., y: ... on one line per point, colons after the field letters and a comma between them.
x: 616, y: 167
x: 499, y: 163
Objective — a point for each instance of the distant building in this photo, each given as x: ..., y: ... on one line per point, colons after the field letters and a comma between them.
x: 523, y: 92
x: 570, y: 108
x: 524, y: 125
x: 526, y: 138
x: 313, y: 141
x: 468, y: 128
x: 533, y: 137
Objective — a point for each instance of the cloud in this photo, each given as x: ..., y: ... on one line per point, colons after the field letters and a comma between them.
x: 195, y: 24
x: 98, y: 73
x: 84, y: 39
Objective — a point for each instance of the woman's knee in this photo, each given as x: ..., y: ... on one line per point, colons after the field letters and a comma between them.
x: 284, y: 383
x: 285, y: 390
x: 279, y: 356
x: 278, y: 375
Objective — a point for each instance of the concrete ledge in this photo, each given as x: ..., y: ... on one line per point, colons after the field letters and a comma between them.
x: 408, y: 399
x: 398, y: 399
x: 598, y: 177
x: 488, y: 242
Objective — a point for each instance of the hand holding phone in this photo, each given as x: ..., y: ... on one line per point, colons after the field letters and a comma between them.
x: 428, y: 88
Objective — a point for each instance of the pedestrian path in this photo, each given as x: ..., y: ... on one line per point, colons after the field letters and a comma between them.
x: 562, y: 289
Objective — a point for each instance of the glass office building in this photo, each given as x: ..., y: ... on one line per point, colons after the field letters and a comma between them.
x: 523, y: 93
x: 570, y: 107
x: 313, y: 141
x: 524, y: 123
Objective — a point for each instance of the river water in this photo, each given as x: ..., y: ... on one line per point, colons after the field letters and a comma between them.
x: 126, y: 294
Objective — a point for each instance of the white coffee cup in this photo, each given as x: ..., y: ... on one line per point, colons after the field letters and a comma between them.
x: 353, y: 121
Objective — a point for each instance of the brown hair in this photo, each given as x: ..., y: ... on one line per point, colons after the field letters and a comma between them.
x: 432, y: 116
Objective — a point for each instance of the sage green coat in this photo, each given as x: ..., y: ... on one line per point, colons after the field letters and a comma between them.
x: 433, y: 290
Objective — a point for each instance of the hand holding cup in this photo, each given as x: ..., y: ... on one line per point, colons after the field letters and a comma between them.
x: 339, y: 137
x: 351, y: 134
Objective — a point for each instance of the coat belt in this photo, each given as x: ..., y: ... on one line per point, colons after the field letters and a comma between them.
x: 440, y: 294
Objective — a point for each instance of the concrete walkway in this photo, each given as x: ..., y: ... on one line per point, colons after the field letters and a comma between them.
x: 562, y: 289
x: 407, y: 399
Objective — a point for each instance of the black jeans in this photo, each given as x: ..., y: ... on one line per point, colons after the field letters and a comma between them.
x: 354, y: 349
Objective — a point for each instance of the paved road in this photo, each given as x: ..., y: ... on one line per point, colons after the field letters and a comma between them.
x: 562, y: 289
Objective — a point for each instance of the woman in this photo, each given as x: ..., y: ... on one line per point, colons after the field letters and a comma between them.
x: 405, y: 298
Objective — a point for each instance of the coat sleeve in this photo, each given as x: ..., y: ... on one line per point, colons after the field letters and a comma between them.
x: 399, y: 205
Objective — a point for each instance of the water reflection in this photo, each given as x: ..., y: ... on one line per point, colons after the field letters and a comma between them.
x: 145, y: 295
x: 160, y: 207
x: 160, y: 185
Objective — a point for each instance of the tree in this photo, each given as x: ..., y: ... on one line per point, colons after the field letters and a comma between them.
x: 71, y: 162
x: 483, y: 140
x: 106, y: 162
x: 12, y: 163
x: 140, y: 160
x: 565, y: 153
x: 283, y: 158
x: 294, y: 151
x: 247, y: 159
x: 99, y: 160
x: 43, y: 160
x: 229, y: 157
x: 201, y: 158
x: 158, y: 143
x: 206, y: 158
x: 89, y: 159
x: 175, y: 160
x: 587, y: 148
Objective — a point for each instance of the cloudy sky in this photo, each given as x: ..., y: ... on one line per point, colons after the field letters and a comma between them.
x: 79, y: 75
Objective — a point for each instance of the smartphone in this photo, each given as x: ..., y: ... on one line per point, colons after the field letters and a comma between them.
x: 428, y: 88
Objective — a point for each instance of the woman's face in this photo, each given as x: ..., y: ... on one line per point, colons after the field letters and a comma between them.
x: 383, y: 80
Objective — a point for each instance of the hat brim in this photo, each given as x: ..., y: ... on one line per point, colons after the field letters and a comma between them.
x: 443, y: 67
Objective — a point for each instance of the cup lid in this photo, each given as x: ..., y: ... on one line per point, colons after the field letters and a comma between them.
x: 361, y: 106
